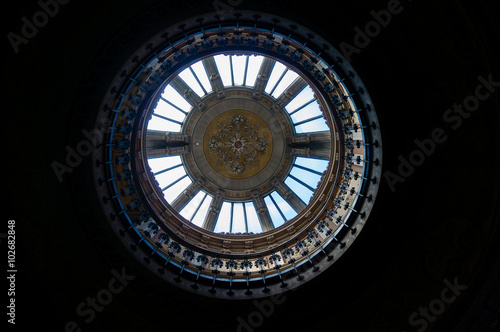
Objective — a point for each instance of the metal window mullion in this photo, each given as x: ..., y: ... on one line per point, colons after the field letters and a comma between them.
x: 232, y: 70
x: 308, y: 169
x: 175, y: 182
x: 167, y: 169
x: 232, y: 218
x: 197, y: 80
x: 199, y: 206
x: 279, y: 81
x: 174, y: 106
x: 246, y: 217
x: 308, y: 120
x: 246, y: 70
x: 167, y: 119
x: 303, y: 106
x: 302, y: 183
x: 278, y: 208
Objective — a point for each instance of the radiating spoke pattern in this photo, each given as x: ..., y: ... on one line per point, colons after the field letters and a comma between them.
x: 175, y: 104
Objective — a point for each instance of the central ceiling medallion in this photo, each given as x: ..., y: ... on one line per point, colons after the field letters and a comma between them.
x: 238, y: 144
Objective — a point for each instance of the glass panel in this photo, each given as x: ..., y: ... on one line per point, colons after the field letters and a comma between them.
x: 278, y: 69
x: 285, y: 208
x: 307, y: 112
x: 202, y: 75
x: 166, y: 110
x: 163, y: 125
x: 273, y: 212
x: 252, y: 218
x: 312, y: 126
x: 238, y: 218
x: 174, y: 191
x: 224, y: 218
x: 307, y: 177
x: 288, y: 79
x: 158, y: 164
x: 199, y: 217
x: 164, y: 179
x: 188, y: 77
x: 239, y: 68
x: 190, y: 208
x: 254, y: 63
x: 222, y: 62
x: 175, y: 98
x: 319, y: 165
x: 303, y: 97
x: 302, y: 192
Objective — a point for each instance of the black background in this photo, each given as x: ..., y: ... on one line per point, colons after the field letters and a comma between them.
x: 440, y: 223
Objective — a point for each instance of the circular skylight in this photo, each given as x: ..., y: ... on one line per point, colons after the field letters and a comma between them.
x: 238, y: 150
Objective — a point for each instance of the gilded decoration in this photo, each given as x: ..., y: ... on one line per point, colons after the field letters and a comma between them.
x: 238, y: 144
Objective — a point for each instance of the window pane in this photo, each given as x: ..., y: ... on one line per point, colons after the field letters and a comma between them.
x: 238, y: 218
x: 166, y: 178
x: 238, y: 68
x: 199, y: 217
x: 303, y: 97
x: 224, y: 219
x: 254, y: 63
x: 305, y: 176
x: 163, y: 125
x: 285, y: 208
x: 287, y: 80
x: 319, y: 165
x: 158, y: 164
x: 202, y: 75
x: 175, y: 98
x: 273, y: 212
x: 252, y: 218
x: 312, y: 126
x: 307, y: 112
x: 174, y: 191
x: 166, y: 110
x: 275, y: 75
x: 190, y: 208
x: 302, y: 192
x: 188, y: 77
x: 222, y: 62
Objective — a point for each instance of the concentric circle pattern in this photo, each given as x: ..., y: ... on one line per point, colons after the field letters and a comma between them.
x: 238, y: 152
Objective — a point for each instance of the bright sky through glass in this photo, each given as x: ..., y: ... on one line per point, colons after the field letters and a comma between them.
x: 199, y: 217
x: 224, y: 219
x: 285, y: 208
x: 319, y: 165
x: 171, y: 111
x: 238, y: 219
x: 276, y: 73
x: 190, y: 209
x: 189, y: 78
x: 252, y: 218
x: 303, y: 192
